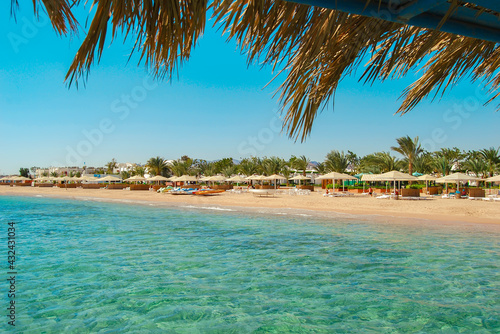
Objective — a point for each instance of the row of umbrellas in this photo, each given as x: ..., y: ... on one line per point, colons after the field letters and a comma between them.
x: 389, y: 176
x: 14, y: 178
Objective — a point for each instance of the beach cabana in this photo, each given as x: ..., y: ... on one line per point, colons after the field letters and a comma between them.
x: 426, y: 178
x: 186, y: 178
x: 457, y: 178
x: 395, y: 176
x: 20, y: 178
x: 300, y: 178
x: 492, y: 180
x: 238, y: 179
x: 109, y: 179
x: 89, y: 178
x: 135, y: 178
x: 274, y: 178
x: 256, y: 178
x: 217, y: 178
x: 337, y: 176
x: 157, y: 178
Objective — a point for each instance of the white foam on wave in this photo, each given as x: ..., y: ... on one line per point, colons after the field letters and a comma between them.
x: 206, y: 208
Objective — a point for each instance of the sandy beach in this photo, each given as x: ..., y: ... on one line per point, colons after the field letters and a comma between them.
x: 436, y: 209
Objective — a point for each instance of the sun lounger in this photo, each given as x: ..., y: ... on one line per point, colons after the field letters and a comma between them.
x: 384, y: 197
x: 263, y: 192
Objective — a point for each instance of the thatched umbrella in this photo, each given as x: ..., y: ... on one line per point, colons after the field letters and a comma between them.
x: 274, y: 178
x: 394, y: 176
x: 337, y: 176
x: 457, y: 178
x: 426, y: 178
x: 299, y: 178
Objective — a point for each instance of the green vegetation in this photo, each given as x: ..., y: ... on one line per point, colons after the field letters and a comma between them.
x: 24, y: 172
x: 482, y: 163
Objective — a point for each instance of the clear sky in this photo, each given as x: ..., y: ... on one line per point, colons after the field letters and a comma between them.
x: 217, y: 107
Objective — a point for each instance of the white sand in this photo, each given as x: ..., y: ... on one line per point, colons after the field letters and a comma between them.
x: 436, y: 209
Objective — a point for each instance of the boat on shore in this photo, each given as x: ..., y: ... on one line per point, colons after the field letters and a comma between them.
x: 208, y: 192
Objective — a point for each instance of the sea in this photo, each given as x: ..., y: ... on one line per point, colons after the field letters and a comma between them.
x: 89, y: 266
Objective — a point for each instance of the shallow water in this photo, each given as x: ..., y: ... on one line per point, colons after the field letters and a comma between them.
x: 87, y: 266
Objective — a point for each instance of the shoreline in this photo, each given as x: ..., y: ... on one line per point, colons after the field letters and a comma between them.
x: 436, y: 210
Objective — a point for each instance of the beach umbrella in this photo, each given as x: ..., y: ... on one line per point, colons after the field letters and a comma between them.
x: 157, y: 178
x: 299, y: 178
x: 205, y: 178
x: 109, y: 179
x: 213, y: 179
x: 217, y: 178
x: 457, y: 177
x: 493, y: 179
x: 275, y: 177
x: 237, y: 179
x: 337, y: 176
x: 426, y: 178
x: 396, y: 176
x: 89, y: 178
x: 135, y: 178
x: 186, y: 178
x: 20, y: 178
x: 256, y: 178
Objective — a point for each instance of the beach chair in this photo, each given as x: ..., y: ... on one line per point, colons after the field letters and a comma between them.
x: 384, y: 196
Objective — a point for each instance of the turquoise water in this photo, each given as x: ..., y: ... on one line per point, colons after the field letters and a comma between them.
x: 87, y: 267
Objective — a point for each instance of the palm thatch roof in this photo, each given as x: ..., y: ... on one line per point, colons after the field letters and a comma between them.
x: 315, y: 47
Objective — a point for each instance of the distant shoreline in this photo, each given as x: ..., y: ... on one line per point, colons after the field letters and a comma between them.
x: 436, y: 210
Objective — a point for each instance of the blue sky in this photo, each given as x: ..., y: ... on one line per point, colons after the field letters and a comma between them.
x: 217, y: 107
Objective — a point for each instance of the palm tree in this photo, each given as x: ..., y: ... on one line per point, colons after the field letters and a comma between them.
x: 124, y: 174
x: 320, y: 168
x: 336, y: 161
x: 139, y: 170
x: 45, y: 174
x: 354, y: 161
x: 442, y: 164
x: 380, y: 162
x: 409, y: 148
x: 223, y: 164
x: 317, y: 46
x: 54, y: 174
x: 111, y: 166
x: 300, y: 163
x: 423, y: 163
x: 446, y: 158
x: 247, y: 167
x: 207, y: 168
x: 477, y: 165
x: 229, y: 171
x: 156, y: 166
x: 273, y: 165
x: 492, y: 158
x: 183, y: 167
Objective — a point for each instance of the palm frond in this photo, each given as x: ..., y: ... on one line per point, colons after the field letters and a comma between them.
x: 314, y: 47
